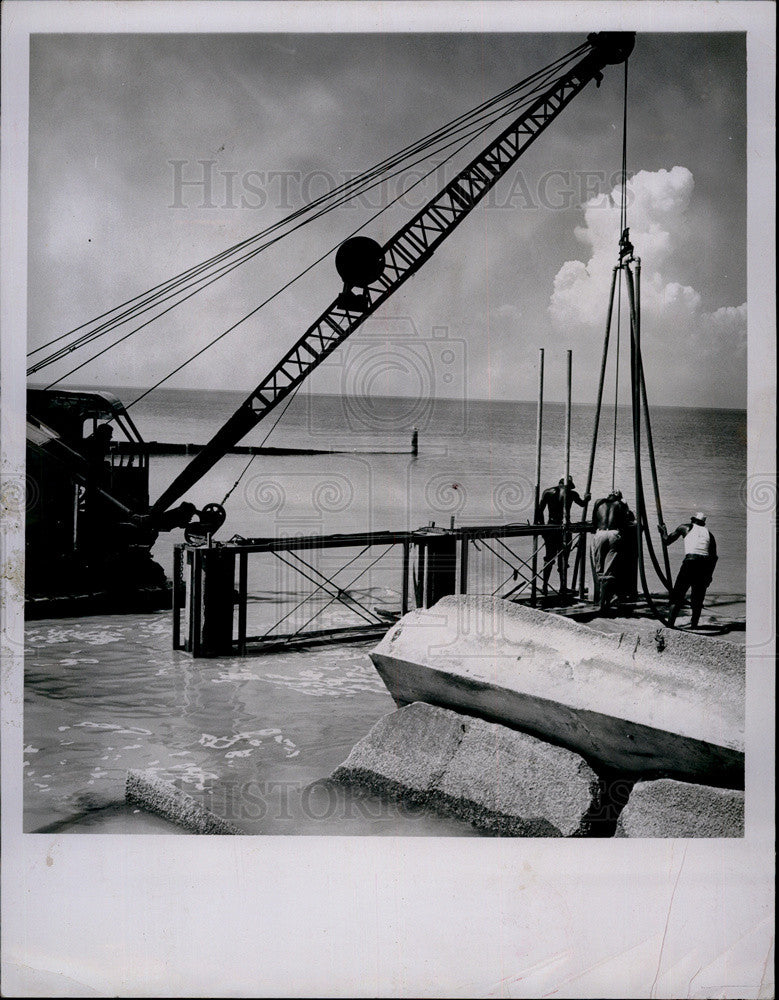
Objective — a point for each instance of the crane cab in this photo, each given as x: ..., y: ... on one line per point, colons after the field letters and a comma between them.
x: 87, y: 474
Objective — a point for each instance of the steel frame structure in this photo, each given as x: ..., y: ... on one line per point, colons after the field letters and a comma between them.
x: 227, y: 565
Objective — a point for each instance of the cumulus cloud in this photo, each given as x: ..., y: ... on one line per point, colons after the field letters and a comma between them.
x: 659, y: 215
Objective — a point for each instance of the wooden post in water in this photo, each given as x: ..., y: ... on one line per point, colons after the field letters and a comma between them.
x: 539, y: 430
x: 566, y: 505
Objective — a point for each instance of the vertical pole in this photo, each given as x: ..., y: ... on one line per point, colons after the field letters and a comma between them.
x: 566, y: 503
x: 177, y: 584
x: 539, y: 432
x: 243, y: 574
x: 404, y: 586
x: 196, y: 603
x: 463, y: 564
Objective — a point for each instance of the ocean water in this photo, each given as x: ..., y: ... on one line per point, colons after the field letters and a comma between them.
x: 249, y: 736
x: 476, y: 462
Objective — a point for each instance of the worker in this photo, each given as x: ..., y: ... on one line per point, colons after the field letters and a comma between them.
x: 697, y: 569
x: 96, y: 449
x: 556, y: 500
x: 611, y: 518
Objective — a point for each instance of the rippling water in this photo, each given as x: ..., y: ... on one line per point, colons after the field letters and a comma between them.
x: 248, y: 736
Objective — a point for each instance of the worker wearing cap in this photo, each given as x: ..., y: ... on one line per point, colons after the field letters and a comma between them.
x: 697, y: 569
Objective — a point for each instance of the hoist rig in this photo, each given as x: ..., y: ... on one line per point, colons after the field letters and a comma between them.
x: 370, y: 273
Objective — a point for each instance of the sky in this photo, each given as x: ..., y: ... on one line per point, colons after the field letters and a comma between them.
x: 117, y: 122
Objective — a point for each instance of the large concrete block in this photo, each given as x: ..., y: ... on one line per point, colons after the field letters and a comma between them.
x: 410, y: 748
x: 663, y: 704
x: 667, y: 808
x: 503, y: 781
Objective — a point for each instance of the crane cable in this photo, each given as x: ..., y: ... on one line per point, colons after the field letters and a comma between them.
x: 229, y: 493
x: 475, y: 133
x: 636, y: 400
x: 623, y: 221
x: 344, y: 192
x: 355, y: 187
x: 377, y: 167
x: 202, y: 350
x: 349, y: 190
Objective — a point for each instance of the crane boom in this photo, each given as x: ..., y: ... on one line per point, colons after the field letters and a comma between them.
x: 404, y: 255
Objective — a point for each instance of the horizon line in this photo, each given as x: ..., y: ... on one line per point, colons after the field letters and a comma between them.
x: 336, y: 395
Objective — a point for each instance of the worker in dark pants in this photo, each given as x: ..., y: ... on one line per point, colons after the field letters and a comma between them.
x: 556, y: 500
x: 697, y: 569
x: 612, y: 519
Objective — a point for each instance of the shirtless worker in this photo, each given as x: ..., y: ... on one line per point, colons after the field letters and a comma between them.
x: 557, y: 499
x: 697, y: 569
x: 610, y: 517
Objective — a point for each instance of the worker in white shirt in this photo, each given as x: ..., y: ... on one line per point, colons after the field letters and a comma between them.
x: 697, y: 569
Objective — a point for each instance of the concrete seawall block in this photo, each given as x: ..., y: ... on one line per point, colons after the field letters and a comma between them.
x: 503, y: 781
x: 667, y: 808
x: 664, y: 704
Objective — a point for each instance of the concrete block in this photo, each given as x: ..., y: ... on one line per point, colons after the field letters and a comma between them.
x: 164, y: 799
x: 645, y: 705
x: 503, y: 781
x: 667, y: 808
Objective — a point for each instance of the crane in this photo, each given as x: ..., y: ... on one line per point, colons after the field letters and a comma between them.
x: 378, y: 271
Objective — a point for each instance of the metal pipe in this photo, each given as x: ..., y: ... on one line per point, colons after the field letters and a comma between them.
x: 176, y: 595
x: 539, y: 432
x: 243, y: 596
x: 404, y: 582
x: 566, y: 488
x: 464, y: 564
x: 581, y: 561
x: 647, y: 421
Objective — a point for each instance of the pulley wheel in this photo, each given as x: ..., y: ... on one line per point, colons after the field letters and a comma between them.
x: 212, y: 517
x: 359, y: 261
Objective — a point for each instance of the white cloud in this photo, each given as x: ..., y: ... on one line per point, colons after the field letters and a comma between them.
x: 661, y: 225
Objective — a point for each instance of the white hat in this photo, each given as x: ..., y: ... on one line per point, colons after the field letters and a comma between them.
x: 700, y: 517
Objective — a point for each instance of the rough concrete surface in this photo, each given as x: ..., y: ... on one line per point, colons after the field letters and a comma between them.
x: 667, y: 808
x: 503, y: 781
x: 668, y: 703
x: 164, y: 799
